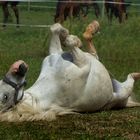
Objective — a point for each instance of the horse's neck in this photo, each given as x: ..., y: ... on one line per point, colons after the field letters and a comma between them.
x: 55, y: 45
x: 28, y: 105
x: 28, y: 99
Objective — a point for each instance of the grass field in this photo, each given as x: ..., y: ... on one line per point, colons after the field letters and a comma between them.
x: 118, y: 47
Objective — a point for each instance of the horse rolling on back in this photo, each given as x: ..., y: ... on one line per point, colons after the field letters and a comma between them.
x: 69, y: 82
x: 6, y: 13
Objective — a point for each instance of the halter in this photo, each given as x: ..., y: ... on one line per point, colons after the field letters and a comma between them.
x: 17, y: 87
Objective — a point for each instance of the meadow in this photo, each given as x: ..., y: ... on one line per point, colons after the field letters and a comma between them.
x: 118, y: 47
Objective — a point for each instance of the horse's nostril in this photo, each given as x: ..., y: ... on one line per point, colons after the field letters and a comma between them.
x: 22, y: 70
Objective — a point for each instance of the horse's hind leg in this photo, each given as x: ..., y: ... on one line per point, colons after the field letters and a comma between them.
x: 5, y: 13
x: 123, y: 91
x: 132, y: 103
x: 91, y: 29
x: 15, y: 9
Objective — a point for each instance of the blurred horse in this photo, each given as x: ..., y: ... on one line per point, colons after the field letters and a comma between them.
x: 87, y: 4
x: 116, y: 8
x: 70, y: 8
x: 6, y: 13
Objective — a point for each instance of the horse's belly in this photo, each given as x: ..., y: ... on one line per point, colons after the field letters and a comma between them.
x: 98, y: 90
x: 82, y: 90
x: 64, y: 84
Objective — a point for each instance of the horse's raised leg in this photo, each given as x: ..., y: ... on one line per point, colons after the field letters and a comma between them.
x: 58, y: 32
x: 74, y: 43
x: 15, y: 9
x: 91, y: 29
x: 123, y: 92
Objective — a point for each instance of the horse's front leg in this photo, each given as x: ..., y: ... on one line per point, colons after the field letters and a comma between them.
x: 15, y: 9
x: 5, y: 13
x: 71, y: 12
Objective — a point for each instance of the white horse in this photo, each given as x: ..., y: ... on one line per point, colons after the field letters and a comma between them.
x: 68, y: 83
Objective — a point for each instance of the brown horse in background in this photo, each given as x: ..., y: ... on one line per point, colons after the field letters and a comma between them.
x: 6, y: 13
x: 70, y: 8
x: 90, y: 3
x: 116, y: 8
x: 65, y: 9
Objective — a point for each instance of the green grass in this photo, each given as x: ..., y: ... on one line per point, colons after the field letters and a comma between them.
x: 115, y: 125
x: 118, y: 47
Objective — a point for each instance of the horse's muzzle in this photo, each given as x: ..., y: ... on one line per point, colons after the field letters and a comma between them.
x: 22, y: 70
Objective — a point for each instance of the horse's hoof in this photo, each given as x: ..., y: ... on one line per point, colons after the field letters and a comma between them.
x: 55, y: 28
x: 91, y: 29
x: 136, y: 76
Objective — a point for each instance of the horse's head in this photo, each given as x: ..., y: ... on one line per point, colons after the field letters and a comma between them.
x: 12, y: 85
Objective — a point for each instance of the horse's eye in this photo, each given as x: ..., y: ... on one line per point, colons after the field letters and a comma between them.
x: 5, y: 97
